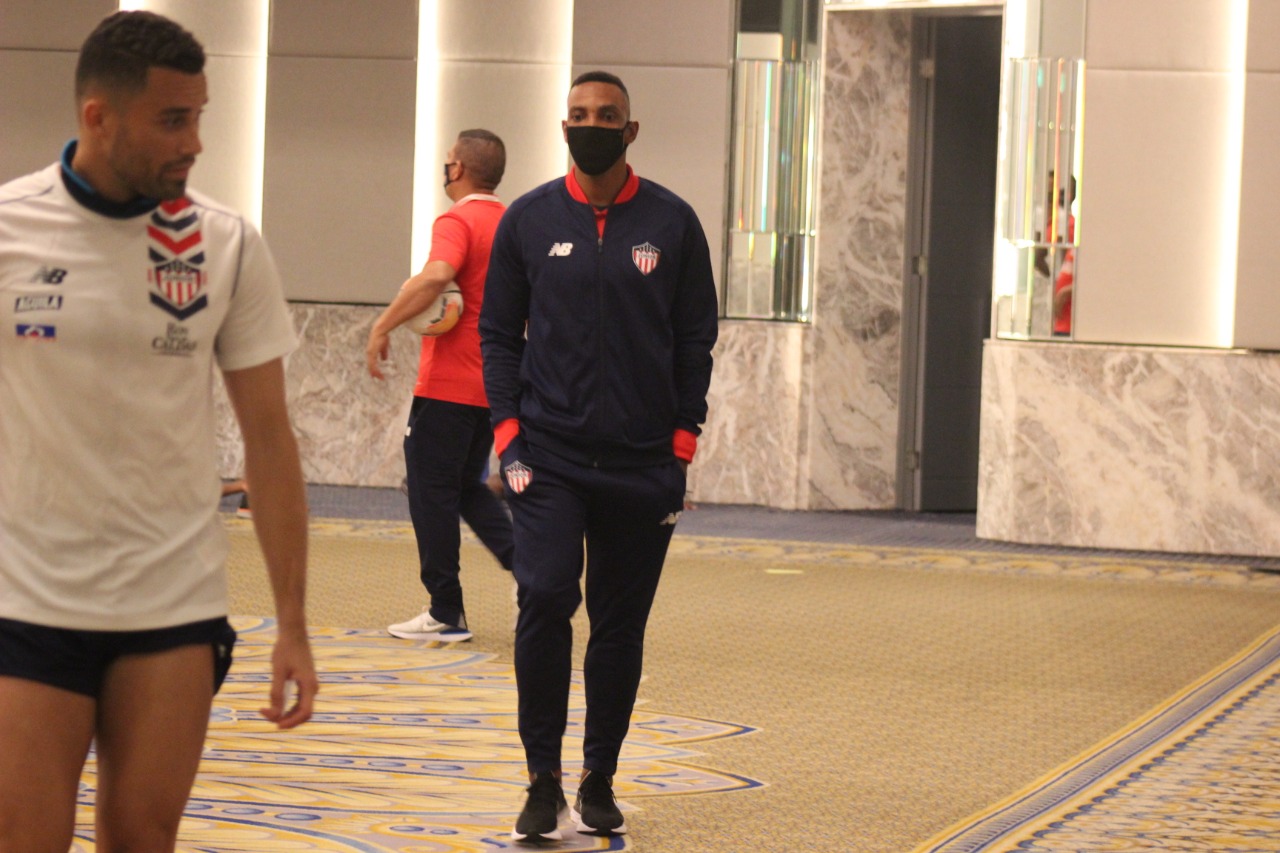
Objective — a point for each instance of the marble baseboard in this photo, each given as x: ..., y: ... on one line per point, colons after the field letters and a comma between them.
x: 1141, y: 448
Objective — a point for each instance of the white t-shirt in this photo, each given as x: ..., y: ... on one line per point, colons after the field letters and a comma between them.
x: 109, y: 331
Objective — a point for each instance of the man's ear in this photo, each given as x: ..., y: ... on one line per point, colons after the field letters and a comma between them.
x: 631, y: 132
x: 94, y: 112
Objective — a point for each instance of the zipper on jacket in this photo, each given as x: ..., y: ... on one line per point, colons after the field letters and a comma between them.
x: 600, y: 360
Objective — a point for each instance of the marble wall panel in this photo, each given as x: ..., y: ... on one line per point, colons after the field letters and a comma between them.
x: 1128, y: 447
x: 854, y: 354
x: 350, y: 427
x: 747, y: 452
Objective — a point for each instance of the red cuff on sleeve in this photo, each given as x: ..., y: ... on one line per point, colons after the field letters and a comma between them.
x: 684, y: 444
x: 503, y: 433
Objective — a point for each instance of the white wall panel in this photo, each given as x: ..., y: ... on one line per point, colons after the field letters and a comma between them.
x: 339, y: 176
x: 225, y: 28
x: 523, y: 104
x: 609, y: 33
x: 1257, y: 288
x: 45, y: 25
x: 229, y: 169
x: 1264, y: 35
x: 503, y: 31
x: 1154, y: 168
x: 37, y: 109
x: 356, y: 28
x: 1191, y: 35
x: 1062, y: 28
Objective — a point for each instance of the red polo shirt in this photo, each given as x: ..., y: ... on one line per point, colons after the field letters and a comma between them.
x: 449, y: 366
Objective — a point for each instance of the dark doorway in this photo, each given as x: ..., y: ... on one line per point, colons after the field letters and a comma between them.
x: 951, y: 227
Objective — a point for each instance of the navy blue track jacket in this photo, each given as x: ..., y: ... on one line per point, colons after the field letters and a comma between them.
x: 619, y: 327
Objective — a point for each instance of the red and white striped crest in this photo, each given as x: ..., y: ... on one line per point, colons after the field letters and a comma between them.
x: 518, y: 476
x: 178, y: 283
x: 645, y: 257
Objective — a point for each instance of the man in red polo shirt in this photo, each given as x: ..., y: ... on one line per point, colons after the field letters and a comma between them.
x: 448, y: 438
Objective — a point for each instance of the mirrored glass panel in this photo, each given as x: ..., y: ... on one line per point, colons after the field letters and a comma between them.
x: 772, y: 222
x: 1040, y: 206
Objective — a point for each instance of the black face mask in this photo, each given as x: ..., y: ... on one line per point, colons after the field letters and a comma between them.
x: 447, y: 181
x: 595, y: 149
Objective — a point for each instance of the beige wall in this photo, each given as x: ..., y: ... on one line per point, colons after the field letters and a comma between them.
x: 1161, y: 144
x: 504, y: 67
x: 676, y: 59
x: 38, y: 45
x: 1257, y: 293
x: 338, y: 171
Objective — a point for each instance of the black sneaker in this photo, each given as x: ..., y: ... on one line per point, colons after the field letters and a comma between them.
x: 539, y: 820
x: 596, y: 809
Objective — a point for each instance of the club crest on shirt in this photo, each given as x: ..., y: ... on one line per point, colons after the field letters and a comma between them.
x: 175, y: 248
x: 645, y: 256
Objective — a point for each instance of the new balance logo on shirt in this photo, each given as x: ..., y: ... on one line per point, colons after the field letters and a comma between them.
x: 560, y: 250
x: 49, y: 275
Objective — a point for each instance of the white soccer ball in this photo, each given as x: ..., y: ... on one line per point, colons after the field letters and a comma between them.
x: 441, y: 315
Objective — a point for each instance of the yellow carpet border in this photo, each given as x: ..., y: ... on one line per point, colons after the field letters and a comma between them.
x: 1136, y: 790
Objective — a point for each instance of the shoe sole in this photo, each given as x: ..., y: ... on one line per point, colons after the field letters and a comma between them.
x: 446, y: 638
x: 620, y: 829
x: 537, y: 838
x: 542, y: 837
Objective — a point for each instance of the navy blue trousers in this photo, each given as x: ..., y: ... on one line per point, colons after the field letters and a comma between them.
x: 446, y: 449
x: 626, y: 518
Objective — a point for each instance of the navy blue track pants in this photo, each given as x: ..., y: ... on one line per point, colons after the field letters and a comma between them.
x: 446, y: 448
x: 626, y: 517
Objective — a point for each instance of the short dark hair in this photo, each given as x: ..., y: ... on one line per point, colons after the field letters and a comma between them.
x: 484, y: 155
x: 601, y: 77
x: 125, y: 45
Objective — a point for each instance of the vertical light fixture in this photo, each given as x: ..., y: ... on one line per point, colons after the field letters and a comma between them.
x: 257, y: 143
x: 426, y: 171
x: 1006, y: 260
x: 1237, y: 12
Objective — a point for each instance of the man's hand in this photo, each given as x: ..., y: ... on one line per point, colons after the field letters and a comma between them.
x: 291, y: 663
x: 376, y: 351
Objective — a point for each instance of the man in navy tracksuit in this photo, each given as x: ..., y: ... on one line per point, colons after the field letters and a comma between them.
x: 596, y: 416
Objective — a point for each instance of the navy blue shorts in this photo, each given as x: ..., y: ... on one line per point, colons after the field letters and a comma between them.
x: 78, y: 660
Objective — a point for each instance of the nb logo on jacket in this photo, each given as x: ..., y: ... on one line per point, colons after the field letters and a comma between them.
x: 560, y: 250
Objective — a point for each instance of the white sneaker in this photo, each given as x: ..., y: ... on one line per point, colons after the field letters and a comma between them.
x: 423, y: 627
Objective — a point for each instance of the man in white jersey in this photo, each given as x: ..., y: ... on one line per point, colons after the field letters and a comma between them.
x: 119, y: 292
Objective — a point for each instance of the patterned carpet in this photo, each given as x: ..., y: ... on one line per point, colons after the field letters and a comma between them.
x: 796, y: 695
x: 414, y: 750
x: 1201, y: 772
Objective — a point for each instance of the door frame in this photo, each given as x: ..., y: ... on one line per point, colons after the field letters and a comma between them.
x: 915, y: 272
